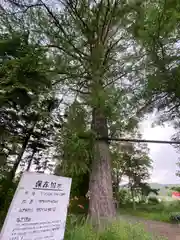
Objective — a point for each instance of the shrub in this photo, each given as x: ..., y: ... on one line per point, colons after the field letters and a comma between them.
x: 7, y: 189
x: 175, y: 217
x: 123, y: 197
x: 153, y: 200
x: 142, y: 202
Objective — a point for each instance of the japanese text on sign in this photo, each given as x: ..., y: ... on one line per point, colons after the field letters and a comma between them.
x: 39, y: 208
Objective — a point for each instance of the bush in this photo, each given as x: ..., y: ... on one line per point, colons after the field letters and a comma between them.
x: 175, y: 217
x: 115, y: 231
x: 7, y: 189
x: 123, y: 197
x: 142, y: 202
x: 153, y: 200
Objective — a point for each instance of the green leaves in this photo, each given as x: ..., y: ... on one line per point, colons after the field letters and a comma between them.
x: 21, y: 71
x: 131, y: 161
x: 24, y: 86
x: 156, y: 28
x: 74, y: 151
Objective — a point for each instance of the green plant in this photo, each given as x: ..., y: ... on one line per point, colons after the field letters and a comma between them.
x: 153, y: 200
x: 123, y: 197
x: 175, y: 217
x: 164, y: 211
x: 116, y: 231
x: 124, y: 231
x: 75, y: 220
x: 7, y: 190
x: 78, y: 205
x: 151, y: 207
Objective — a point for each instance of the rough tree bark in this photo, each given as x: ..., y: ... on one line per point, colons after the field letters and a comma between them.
x: 133, y: 197
x: 101, y: 204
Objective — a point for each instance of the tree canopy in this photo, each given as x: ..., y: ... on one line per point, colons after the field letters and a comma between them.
x: 74, y: 74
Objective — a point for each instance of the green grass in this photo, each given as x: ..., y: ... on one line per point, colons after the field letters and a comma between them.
x: 156, y: 216
x: 158, y: 212
x: 116, y: 231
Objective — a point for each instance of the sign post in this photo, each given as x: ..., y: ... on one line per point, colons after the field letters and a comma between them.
x: 39, y: 208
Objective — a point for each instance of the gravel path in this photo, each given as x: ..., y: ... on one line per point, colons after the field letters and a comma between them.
x: 170, y: 231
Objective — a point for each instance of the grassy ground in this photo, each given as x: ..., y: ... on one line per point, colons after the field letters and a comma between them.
x: 159, y: 212
x: 116, y: 231
x: 153, y: 215
x: 79, y: 229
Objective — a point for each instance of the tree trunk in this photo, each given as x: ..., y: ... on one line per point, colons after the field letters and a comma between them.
x: 35, y: 150
x: 11, y: 174
x: 30, y: 161
x: 101, y: 205
x: 116, y: 187
x: 117, y: 184
x: 133, y: 198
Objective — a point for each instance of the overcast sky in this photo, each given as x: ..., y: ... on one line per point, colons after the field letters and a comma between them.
x: 164, y: 156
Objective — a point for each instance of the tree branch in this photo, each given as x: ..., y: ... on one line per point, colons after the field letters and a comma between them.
x: 65, y: 51
x: 26, y: 6
x: 75, y: 12
x: 58, y: 24
x: 108, y: 25
x: 79, y: 91
x: 116, y: 79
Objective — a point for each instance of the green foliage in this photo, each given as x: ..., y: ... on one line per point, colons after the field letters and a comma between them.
x: 131, y: 161
x: 177, y: 189
x: 7, y: 190
x: 161, y: 211
x: 123, y: 197
x: 75, y: 151
x: 25, y: 89
x: 80, y: 184
x: 158, y: 33
x: 89, y: 45
x: 106, y: 54
x: 116, y: 231
x: 22, y: 71
x: 153, y: 200
x: 80, y: 233
x: 146, y: 189
x: 79, y: 205
x: 175, y: 217
x: 147, y: 213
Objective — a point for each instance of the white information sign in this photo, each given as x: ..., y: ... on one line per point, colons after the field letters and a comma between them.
x: 39, y: 208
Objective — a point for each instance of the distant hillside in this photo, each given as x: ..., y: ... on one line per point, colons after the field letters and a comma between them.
x: 164, y: 188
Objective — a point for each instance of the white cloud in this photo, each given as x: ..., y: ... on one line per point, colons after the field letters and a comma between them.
x: 164, y: 156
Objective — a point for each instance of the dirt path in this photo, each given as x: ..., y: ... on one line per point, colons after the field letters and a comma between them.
x: 170, y: 231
